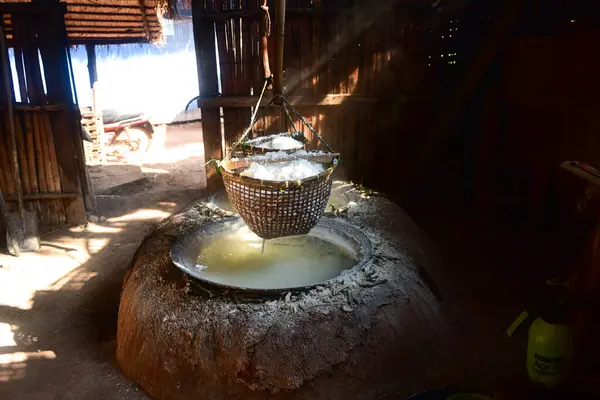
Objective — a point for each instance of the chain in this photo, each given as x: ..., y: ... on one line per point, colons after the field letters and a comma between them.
x: 309, y: 126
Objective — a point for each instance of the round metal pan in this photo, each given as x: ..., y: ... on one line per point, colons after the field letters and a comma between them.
x: 186, y: 248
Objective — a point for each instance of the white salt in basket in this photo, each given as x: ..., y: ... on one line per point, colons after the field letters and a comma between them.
x: 274, y: 209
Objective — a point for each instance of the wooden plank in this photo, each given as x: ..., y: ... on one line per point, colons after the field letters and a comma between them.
x: 250, y: 101
x: 279, y: 42
x: 247, y: 60
x: 316, y: 34
x: 254, y: 14
x: 204, y: 39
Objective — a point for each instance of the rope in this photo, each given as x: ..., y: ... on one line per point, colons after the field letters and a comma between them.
x: 253, y: 119
x: 285, y: 104
x: 266, y: 19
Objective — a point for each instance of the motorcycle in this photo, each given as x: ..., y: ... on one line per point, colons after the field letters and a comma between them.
x: 126, y: 134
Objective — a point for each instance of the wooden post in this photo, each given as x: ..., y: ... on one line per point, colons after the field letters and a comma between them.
x: 279, y: 39
x: 53, y: 48
x: 90, y: 49
x: 206, y: 58
x: 9, y: 96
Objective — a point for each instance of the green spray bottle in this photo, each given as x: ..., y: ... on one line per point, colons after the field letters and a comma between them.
x: 551, y: 339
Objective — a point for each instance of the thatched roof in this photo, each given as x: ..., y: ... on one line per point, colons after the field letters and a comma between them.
x: 111, y: 21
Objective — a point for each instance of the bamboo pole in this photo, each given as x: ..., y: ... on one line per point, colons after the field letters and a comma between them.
x: 46, y: 154
x: 57, y: 207
x: 40, y: 165
x: 6, y: 169
x: 52, y: 151
x: 22, y: 150
x: 50, y: 208
x: 30, y: 146
x: 11, y: 123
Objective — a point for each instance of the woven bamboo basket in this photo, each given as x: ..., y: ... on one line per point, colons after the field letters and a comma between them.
x: 275, y: 209
x: 253, y: 146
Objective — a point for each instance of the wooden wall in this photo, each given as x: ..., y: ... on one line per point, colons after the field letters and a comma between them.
x: 541, y: 109
x: 367, y: 75
x: 48, y: 143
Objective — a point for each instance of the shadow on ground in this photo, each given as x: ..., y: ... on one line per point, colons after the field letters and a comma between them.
x: 58, y: 307
x: 64, y: 344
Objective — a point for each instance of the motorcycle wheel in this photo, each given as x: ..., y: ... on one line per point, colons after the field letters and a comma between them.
x: 134, y: 142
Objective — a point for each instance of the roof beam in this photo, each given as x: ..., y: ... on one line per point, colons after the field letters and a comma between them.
x: 110, y: 35
x: 108, y: 9
x: 86, y: 16
x: 110, y: 24
x: 107, y: 41
x: 115, y: 29
x: 104, y: 5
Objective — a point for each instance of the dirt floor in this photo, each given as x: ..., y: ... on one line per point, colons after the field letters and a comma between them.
x: 58, y: 308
